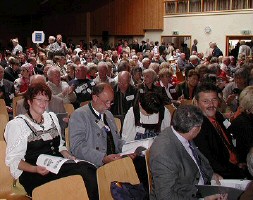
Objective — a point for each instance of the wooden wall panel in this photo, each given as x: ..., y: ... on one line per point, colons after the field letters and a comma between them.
x: 119, y: 17
x: 153, y: 12
x: 69, y: 24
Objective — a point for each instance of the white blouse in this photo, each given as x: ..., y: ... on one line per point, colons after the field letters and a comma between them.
x: 129, y: 128
x: 16, y: 135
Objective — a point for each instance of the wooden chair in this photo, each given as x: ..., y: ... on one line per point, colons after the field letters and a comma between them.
x: 3, y: 109
x: 7, y: 191
x: 14, y: 105
x: 70, y: 187
x: 171, y: 108
x: 84, y: 103
x: 3, y: 122
x: 186, y: 102
x: 180, y: 76
x: 67, y: 138
x: 122, y: 170
x: 69, y: 108
x: 118, y: 123
x: 147, y: 158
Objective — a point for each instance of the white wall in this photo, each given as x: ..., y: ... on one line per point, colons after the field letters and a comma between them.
x: 221, y: 24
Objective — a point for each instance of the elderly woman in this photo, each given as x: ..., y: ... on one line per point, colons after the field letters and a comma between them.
x: 232, y: 90
x: 38, y: 132
x: 147, y: 118
x: 242, y: 126
x: 21, y: 84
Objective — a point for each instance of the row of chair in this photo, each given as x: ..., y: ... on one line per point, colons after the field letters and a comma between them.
x: 122, y: 170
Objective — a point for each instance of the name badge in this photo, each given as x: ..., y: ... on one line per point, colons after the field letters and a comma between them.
x: 226, y: 123
x: 140, y: 129
x: 89, y: 90
x: 130, y: 97
x: 173, y: 91
x: 46, y: 136
x: 100, y: 123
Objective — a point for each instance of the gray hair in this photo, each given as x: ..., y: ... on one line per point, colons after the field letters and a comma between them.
x: 151, y: 71
x: 250, y: 161
x: 186, y: 117
x: 245, y: 99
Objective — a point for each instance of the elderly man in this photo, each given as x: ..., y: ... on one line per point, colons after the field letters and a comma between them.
x: 93, y: 132
x: 124, y: 94
x: 58, y: 48
x: 176, y: 164
x: 60, y: 88
x: 102, y: 74
x: 83, y: 86
x: 182, y: 62
x: 213, y: 140
x: 193, y: 62
x: 150, y: 77
x: 16, y: 46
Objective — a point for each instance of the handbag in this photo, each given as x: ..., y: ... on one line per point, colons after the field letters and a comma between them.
x: 127, y: 191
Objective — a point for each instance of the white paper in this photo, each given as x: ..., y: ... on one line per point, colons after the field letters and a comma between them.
x: 51, y: 163
x: 54, y: 163
x: 234, y: 183
x: 131, y: 146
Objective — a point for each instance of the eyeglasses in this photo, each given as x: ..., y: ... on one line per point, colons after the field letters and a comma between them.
x: 42, y: 100
x: 107, y: 103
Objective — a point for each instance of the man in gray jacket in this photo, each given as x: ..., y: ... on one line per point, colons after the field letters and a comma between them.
x: 176, y: 164
x: 92, y: 129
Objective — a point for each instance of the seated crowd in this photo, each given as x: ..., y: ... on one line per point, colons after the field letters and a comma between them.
x: 134, y: 83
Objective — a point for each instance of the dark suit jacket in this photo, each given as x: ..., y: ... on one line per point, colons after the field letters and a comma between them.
x: 158, y: 89
x: 122, y: 102
x: 242, y: 129
x: 211, y: 145
x: 174, y: 172
x: 9, y: 91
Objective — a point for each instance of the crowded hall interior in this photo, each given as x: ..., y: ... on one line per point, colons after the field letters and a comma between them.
x: 123, y: 99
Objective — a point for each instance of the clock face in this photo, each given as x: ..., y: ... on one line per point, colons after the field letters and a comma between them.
x: 207, y: 29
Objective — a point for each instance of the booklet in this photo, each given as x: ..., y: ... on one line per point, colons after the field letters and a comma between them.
x: 54, y: 163
x: 234, y: 188
x: 137, y: 146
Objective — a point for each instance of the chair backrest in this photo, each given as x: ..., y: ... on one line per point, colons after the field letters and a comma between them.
x: 6, y: 179
x: 186, y: 102
x: 14, y: 105
x: 122, y: 170
x: 180, y: 76
x: 147, y: 158
x: 118, y: 123
x: 69, y: 108
x: 3, y: 109
x: 84, y: 103
x: 70, y: 187
x: 171, y: 108
x: 67, y: 138
x: 3, y: 122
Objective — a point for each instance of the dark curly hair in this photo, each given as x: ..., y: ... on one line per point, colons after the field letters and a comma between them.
x: 35, y: 89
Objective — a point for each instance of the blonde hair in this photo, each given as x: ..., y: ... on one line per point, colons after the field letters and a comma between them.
x: 245, y: 99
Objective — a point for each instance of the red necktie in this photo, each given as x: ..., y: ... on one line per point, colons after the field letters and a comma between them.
x: 225, y: 140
